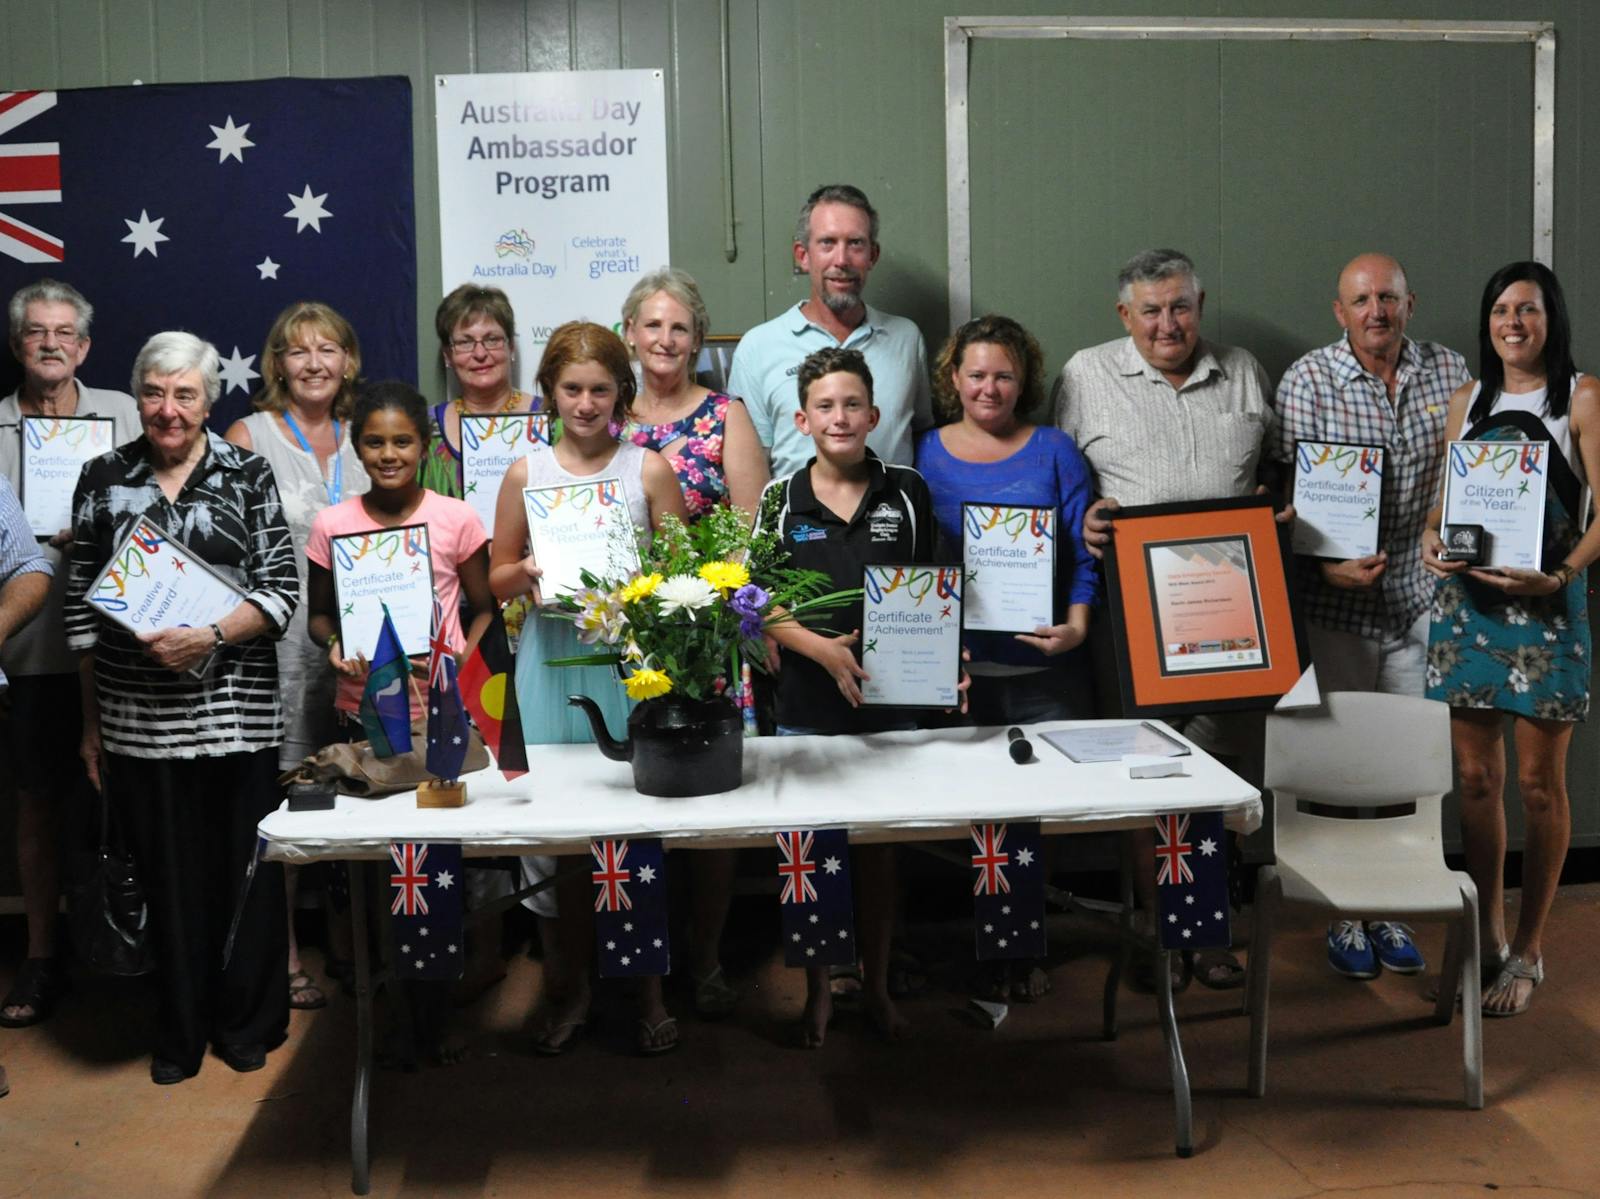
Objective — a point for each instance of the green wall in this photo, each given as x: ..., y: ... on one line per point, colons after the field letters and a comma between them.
x: 1270, y: 162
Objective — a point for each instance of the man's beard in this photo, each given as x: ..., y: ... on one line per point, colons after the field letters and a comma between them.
x: 842, y: 303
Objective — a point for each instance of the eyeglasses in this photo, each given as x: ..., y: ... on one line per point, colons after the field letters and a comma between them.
x: 186, y: 400
x: 66, y: 335
x: 492, y: 344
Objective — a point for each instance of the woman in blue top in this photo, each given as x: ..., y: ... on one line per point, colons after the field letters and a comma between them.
x: 987, y: 386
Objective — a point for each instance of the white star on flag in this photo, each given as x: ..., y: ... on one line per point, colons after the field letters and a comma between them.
x: 307, y: 209
x: 794, y: 936
x: 1208, y: 847
x: 1024, y: 857
x: 230, y: 141
x: 145, y: 233
x: 1005, y: 909
x: 627, y: 927
x: 1217, y: 915
x: 626, y: 959
x: 813, y: 917
x: 810, y: 953
x: 830, y: 865
x: 1187, y: 934
x: 646, y: 874
x: 237, y: 371
x: 423, y: 931
x: 452, y: 949
x: 268, y: 268
x: 656, y: 943
x: 844, y: 934
x: 1188, y: 899
x: 611, y: 944
x: 445, y: 880
x: 405, y: 949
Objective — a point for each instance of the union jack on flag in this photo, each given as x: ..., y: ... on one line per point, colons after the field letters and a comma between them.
x: 30, y: 173
x: 990, y: 860
x: 409, y: 879
x: 1172, y: 851
x: 610, y: 876
x: 796, y: 867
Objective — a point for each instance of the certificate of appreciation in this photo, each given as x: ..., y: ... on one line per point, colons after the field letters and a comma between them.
x: 489, y: 445
x: 54, y: 449
x: 1336, y: 497
x: 1010, y: 557
x: 575, y: 527
x: 378, y: 567
x: 153, y: 582
x: 1500, y: 485
x: 911, y: 636
x: 1207, y: 607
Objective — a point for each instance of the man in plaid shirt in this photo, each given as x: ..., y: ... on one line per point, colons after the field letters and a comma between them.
x: 1368, y: 617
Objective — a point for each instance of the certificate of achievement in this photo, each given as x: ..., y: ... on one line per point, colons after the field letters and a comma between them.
x: 1108, y: 742
x: 153, y: 582
x: 575, y: 527
x: 489, y: 445
x: 1010, y: 556
x: 378, y: 567
x: 1336, y: 491
x: 911, y: 636
x: 1499, y: 485
x: 54, y: 449
x: 1207, y: 605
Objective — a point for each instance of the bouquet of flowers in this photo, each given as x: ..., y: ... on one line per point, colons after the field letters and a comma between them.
x: 700, y: 601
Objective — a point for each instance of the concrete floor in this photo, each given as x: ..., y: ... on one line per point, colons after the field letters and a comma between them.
x: 1364, y: 1096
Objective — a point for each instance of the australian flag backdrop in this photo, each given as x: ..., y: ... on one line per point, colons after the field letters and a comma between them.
x: 1192, y: 881
x: 630, y: 908
x: 1008, y: 891
x: 814, y: 876
x: 211, y: 207
x: 425, y: 909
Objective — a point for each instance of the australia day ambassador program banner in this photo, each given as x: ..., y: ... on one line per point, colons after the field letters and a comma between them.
x: 553, y: 188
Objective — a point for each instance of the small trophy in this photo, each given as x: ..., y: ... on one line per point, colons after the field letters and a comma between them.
x: 1463, y: 543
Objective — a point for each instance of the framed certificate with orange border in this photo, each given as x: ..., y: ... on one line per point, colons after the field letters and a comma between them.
x: 1203, y: 608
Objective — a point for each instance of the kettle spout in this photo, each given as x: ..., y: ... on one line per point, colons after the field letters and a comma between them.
x: 617, y: 751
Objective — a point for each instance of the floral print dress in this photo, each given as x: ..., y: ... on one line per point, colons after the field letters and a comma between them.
x: 698, y: 461
x: 1528, y: 655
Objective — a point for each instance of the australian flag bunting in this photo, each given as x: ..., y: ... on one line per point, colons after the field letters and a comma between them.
x: 426, y: 909
x: 630, y: 908
x: 818, y: 923
x: 1192, y: 881
x: 447, y: 717
x: 1009, y: 891
x: 211, y: 207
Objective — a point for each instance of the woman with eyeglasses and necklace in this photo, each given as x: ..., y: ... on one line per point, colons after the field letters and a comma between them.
x: 478, y: 337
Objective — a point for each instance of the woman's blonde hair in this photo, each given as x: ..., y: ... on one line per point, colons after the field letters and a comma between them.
x: 293, y: 321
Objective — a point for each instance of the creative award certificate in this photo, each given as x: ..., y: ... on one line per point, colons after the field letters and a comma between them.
x: 575, y: 527
x: 378, y: 567
x: 153, y: 582
x: 1208, y: 611
x: 911, y: 636
x: 1010, y: 557
x: 54, y: 449
x: 489, y: 445
x: 1336, y: 499
x: 1500, y: 485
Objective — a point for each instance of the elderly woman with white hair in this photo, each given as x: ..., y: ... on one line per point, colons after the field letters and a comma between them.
x: 182, y: 726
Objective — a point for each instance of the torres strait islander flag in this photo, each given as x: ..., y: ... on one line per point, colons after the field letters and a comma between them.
x: 488, y: 686
x: 211, y: 207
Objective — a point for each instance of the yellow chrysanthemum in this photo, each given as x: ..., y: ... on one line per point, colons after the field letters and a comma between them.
x: 640, y: 587
x: 725, y: 576
x: 647, y: 684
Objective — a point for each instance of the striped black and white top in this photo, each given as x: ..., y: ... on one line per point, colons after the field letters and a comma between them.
x: 229, y: 515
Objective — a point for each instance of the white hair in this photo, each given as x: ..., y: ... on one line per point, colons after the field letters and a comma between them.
x: 174, y: 352
x: 49, y: 291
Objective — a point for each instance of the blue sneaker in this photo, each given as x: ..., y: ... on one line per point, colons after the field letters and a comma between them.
x: 1396, y: 949
x: 1349, y: 951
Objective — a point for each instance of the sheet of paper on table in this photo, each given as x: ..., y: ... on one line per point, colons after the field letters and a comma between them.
x: 1112, y: 743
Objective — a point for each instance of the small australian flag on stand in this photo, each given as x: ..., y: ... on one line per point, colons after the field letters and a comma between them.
x: 1009, y: 890
x: 818, y: 914
x: 426, y: 911
x: 1192, y: 881
x: 447, y: 717
x: 630, y: 908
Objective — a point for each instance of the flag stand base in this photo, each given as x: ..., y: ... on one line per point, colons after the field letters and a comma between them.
x: 432, y: 793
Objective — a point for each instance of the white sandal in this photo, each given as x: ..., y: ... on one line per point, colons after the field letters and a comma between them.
x: 1516, y: 967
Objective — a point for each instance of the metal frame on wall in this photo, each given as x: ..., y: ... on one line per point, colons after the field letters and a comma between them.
x: 960, y: 31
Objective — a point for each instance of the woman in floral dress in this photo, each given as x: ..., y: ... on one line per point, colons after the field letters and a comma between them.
x: 1511, y: 641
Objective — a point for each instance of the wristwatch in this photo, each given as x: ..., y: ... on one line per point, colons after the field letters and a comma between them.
x: 1565, y: 574
x: 216, y: 631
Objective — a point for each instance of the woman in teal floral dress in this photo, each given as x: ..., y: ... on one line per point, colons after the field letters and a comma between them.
x: 1513, y: 641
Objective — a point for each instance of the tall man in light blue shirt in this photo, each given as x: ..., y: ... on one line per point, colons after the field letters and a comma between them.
x: 836, y: 244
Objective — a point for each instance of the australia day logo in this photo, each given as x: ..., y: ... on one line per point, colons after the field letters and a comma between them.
x: 513, y: 251
x: 514, y: 243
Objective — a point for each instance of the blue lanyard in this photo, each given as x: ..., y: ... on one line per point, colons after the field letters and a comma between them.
x: 334, y: 489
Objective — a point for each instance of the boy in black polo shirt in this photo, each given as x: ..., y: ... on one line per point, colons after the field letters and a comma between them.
x: 846, y: 508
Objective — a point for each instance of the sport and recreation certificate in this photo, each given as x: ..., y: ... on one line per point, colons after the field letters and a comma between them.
x: 54, y: 449
x: 489, y: 446
x: 1500, y: 485
x: 1010, y: 558
x: 911, y: 635
x: 1207, y: 605
x: 575, y: 527
x: 378, y: 567
x: 1336, y: 499
x: 154, y: 582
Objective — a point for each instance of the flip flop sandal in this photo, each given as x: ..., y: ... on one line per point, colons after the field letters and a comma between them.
x: 40, y: 984
x: 558, y: 1038
x: 1516, y: 967
x: 304, y: 994
x: 1023, y: 988
x: 713, y: 997
x: 1218, y: 970
x: 653, y: 1040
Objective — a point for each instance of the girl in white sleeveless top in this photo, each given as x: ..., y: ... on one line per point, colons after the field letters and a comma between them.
x: 587, y: 383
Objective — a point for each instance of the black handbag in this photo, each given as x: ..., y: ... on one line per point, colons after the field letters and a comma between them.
x: 106, y: 910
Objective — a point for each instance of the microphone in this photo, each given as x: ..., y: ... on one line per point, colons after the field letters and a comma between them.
x: 1020, y: 750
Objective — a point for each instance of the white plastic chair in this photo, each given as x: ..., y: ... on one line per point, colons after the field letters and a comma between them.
x: 1366, y: 750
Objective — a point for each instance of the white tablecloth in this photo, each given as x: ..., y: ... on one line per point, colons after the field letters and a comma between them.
x: 885, y: 787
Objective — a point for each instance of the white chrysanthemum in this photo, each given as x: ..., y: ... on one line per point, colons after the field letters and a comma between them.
x: 685, y: 593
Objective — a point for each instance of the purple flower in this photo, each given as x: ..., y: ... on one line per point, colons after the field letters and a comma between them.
x: 747, y: 603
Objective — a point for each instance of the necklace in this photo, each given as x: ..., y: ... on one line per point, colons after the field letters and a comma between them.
x: 510, y: 404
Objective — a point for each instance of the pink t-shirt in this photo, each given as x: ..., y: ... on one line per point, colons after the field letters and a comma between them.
x: 454, y: 534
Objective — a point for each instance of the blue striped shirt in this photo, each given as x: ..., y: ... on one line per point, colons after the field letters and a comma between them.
x: 19, y: 552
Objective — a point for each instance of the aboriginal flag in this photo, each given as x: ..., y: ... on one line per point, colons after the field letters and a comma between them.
x: 489, y: 688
